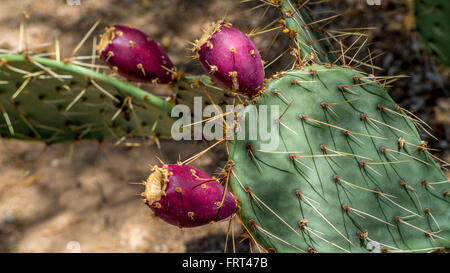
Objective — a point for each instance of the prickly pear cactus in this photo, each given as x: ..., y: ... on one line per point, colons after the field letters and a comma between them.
x: 349, y: 174
x: 433, y: 25
x: 51, y: 101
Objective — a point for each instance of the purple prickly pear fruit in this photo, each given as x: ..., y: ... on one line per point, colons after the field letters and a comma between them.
x: 186, y: 197
x: 134, y: 55
x: 231, y: 59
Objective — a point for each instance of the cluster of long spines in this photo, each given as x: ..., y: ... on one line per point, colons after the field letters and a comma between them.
x: 382, y: 162
x: 309, y: 40
x: 312, y: 40
x: 190, y: 86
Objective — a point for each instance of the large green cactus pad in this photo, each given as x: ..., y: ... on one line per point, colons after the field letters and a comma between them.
x: 348, y: 172
x: 50, y: 101
x: 433, y: 25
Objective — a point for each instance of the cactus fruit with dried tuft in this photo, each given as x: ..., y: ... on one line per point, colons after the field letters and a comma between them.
x: 187, y: 197
x: 231, y: 59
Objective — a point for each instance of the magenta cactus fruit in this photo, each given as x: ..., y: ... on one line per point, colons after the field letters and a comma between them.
x: 134, y: 55
x: 231, y: 59
x: 186, y: 197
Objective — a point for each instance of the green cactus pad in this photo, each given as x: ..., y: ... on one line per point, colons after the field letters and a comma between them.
x: 46, y: 100
x: 433, y: 25
x: 349, y: 173
x: 308, y: 38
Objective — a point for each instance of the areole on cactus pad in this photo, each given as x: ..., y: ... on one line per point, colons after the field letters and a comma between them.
x: 134, y: 55
x: 231, y: 59
x: 187, y: 197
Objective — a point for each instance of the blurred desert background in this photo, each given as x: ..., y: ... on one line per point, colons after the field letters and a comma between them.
x: 65, y: 196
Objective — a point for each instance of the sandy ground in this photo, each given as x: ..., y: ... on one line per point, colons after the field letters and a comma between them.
x: 78, y: 197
